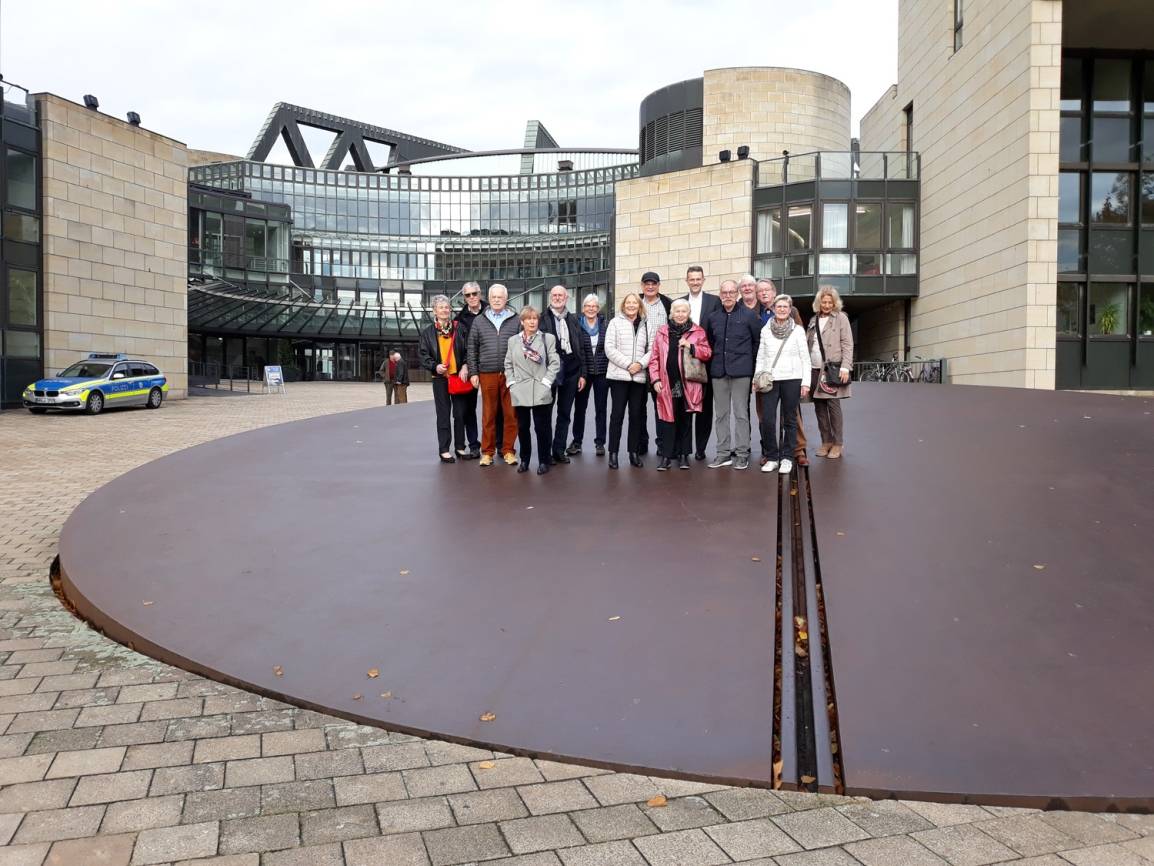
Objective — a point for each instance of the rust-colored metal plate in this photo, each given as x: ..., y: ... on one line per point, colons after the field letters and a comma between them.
x: 617, y: 618
x: 987, y: 562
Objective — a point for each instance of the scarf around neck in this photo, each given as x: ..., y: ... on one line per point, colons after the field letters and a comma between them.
x: 780, y: 329
x: 676, y: 331
x: 527, y: 344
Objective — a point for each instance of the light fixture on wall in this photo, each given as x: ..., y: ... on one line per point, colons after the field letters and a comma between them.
x: 725, y: 156
x: 134, y: 118
x: 91, y: 101
x: 743, y: 152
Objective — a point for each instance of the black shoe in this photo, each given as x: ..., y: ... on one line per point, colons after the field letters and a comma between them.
x: 523, y: 467
x: 684, y: 462
x: 543, y: 469
x: 700, y: 455
x: 613, y: 460
x: 635, y: 459
x: 449, y: 459
x: 559, y: 457
x: 573, y: 449
x: 474, y: 453
x: 600, y: 450
x: 663, y: 464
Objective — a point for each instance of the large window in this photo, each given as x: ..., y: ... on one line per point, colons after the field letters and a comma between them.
x: 1109, y: 309
x: 1110, y: 196
x: 868, y: 225
x: 22, y: 306
x: 1069, y: 310
x: 835, y: 225
x: 21, y: 180
x: 798, y: 229
x: 769, y: 231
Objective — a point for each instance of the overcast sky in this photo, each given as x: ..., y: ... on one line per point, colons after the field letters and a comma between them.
x: 465, y: 73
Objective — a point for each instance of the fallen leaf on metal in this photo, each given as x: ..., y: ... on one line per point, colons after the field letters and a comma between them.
x: 148, y: 603
x: 488, y: 717
x: 808, y: 780
x: 373, y: 673
x: 757, y: 559
x: 404, y: 571
x: 277, y: 671
x: 1039, y: 567
x: 357, y: 696
x: 386, y: 695
x: 614, y: 618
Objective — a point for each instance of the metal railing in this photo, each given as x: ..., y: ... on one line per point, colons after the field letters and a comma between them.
x: 839, y: 165
x: 931, y: 371
x: 219, y: 376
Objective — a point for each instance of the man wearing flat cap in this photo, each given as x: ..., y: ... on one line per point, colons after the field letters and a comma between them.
x: 656, y: 309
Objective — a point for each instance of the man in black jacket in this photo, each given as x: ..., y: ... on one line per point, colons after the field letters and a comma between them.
x: 701, y: 305
x: 656, y: 308
x: 474, y: 306
x: 565, y: 327
x: 488, y: 343
x: 734, y: 332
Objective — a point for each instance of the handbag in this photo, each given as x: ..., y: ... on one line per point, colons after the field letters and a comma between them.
x: 692, y: 369
x: 763, y: 381
x: 830, y: 375
x: 457, y: 385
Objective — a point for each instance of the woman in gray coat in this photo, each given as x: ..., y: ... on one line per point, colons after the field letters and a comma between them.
x: 531, y: 367
x: 830, y: 342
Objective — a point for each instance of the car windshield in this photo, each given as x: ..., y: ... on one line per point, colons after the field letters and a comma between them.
x: 86, y: 370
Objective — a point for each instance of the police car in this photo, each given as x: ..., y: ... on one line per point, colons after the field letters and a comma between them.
x: 99, y: 381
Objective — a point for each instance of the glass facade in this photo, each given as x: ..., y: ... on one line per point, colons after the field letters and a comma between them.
x: 1105, y: 292
x: 842, y: 219
x: 21, y: 289
x: 356, y: 256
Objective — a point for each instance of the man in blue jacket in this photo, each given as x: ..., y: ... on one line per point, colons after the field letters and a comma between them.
x: 734, y: 332
x: 566, y: 329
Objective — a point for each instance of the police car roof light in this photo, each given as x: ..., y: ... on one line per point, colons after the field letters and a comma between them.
x: 107, y: 356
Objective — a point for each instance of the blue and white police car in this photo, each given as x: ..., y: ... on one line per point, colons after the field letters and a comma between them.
x: 99, y: 381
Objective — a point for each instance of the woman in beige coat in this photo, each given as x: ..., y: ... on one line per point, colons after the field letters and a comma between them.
x: 830, y: 340
x: 531, y: 366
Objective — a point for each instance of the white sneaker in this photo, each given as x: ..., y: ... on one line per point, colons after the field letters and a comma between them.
x: 786, y: 467
x: 770, y: 466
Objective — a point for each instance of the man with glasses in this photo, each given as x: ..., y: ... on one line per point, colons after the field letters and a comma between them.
x: 474, y: 306
x: 488, y: 344
x: 655, y: 306
x: 571, y: 346
x: 734, y: 332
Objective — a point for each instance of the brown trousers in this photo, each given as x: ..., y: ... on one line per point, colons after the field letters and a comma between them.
x: 800, y: 426
x: 828, y: 413
x: 494, y: 393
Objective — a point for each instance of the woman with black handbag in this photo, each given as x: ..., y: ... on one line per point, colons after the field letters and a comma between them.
x: 831, y: 352
x: 781, y: 376
x: 677, y: 371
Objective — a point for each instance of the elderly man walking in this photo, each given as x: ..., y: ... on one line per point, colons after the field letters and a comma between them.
x: 488, y: 344
x: 566, y: 329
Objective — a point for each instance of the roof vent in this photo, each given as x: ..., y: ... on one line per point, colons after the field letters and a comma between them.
x: 564, y: 165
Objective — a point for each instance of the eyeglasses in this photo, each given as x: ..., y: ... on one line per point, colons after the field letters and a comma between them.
x: 472, y: 294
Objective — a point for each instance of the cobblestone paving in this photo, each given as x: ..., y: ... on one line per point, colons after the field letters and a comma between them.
x: 107, y: 757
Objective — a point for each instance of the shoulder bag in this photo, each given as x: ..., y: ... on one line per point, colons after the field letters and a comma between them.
x: 457, y: 385
x: 830, y: 376
x: 763, y: 381
x: 692, y: 368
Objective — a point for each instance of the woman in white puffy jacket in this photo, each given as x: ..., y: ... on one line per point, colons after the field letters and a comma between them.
x: 784, y: 353
x: 627, y: 351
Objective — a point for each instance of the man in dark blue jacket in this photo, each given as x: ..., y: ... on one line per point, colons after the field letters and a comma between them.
x: 565, y: 327
x: 734, y: 332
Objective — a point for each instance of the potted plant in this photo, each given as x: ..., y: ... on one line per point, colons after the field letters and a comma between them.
x: 1146, y: 316
x: 1108, y: 319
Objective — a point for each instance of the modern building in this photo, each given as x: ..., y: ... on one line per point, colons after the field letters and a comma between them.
x: 995, y: 212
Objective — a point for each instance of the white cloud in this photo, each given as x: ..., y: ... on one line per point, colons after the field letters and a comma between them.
x: 468, y: 74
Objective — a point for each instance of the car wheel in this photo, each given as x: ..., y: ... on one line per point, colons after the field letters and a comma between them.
x: 95, y: 403
x: 37, y: 410
x: 155, y: 398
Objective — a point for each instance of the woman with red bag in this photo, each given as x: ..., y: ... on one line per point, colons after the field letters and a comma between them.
x: 441, y: 350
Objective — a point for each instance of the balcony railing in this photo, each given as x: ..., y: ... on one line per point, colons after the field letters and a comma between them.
x: 839, y: 165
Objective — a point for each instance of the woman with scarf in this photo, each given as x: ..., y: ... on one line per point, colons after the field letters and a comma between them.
x: 678, y: 398
x: 783, y: 360
x: 627, y: 350
x: 441, y: 351
x: 596, y: 365
x: 531, y: 365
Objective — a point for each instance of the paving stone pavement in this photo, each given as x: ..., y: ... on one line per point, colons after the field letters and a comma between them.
x: 108, y: 757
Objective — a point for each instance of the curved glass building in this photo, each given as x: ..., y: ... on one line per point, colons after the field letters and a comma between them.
x: 322, y: 270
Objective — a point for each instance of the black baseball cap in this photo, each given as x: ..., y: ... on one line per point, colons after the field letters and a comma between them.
x: 650, y: 277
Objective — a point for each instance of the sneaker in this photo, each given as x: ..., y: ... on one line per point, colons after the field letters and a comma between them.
x: 663, y: 464
x: 511, y: 459
x: 769, y: 466
x: 600, y: 450
x: 786, y: 467
x: 722, y: 460
x: 684, y: 462
x: 741, y: 463
x: 486, y: 460
x: 573, y: 449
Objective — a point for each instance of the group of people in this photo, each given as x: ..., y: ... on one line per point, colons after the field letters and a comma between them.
x: 699, y: 359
